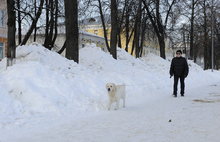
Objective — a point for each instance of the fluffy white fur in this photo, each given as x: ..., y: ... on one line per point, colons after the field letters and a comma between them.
x: 115, y: 93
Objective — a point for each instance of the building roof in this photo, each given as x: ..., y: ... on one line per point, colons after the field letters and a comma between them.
x: 95, y: 20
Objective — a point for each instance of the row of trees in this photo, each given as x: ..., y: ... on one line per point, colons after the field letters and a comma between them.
x: 202, y: 29
x: 35, y: 15
x: 178, y: 20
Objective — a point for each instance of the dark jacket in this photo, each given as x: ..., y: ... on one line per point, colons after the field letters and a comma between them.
x: 179, y: 67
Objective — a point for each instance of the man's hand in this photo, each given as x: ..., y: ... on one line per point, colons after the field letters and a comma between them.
x: 171, y: 76
x: 185, y: 75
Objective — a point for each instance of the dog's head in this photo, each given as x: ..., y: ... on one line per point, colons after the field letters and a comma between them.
x: 110, y: 87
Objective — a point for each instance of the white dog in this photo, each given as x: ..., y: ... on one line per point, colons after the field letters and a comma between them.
x: 115, y: 93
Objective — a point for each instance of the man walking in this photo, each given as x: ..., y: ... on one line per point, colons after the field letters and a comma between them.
x: 179, y: 68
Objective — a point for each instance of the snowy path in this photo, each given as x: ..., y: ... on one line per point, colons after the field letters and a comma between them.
x: 194, y: 118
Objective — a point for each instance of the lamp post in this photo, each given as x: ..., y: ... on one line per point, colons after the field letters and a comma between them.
x: 212, y: 44
x: 212, y: 38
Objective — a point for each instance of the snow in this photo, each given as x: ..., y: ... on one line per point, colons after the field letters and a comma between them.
x: 45, y: 97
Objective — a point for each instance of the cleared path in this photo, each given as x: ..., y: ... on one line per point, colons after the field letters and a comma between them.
x: 158, y: 118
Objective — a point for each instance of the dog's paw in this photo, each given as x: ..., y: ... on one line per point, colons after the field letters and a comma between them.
x: 115, y: 108
x: 108, y: 108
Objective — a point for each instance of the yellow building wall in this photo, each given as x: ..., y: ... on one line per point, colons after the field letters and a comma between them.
x: 123, y: 38
x: 154, y: 43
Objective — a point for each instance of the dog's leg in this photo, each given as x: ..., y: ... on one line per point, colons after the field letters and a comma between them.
x: 117, y: 104
x: 123, y: 102
x: 109, y: 105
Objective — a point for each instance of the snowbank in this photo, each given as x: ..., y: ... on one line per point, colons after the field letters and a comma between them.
x: 44, y: 85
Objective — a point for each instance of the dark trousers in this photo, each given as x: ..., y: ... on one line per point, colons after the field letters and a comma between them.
x: 182, y: 84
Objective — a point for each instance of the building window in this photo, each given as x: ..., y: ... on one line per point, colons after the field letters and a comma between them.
x: 1, y: 50
x: 2, y: 18
x: 96, y: 32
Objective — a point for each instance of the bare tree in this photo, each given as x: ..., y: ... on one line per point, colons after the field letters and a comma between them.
x: 192, y: 28
x: 34, y: 22
x: 153, y: 11
x: 128, y: 22
x: 51, y: 23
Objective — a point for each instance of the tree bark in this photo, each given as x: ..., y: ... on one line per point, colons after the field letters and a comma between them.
x: 113, y: 42
x: 143, y: 29
x: 19, y: 22
x: 47, y: 24
x: 205, y: 37
x: 55, y: 22
x: 35, y: 28
x: 71, y: 14
x: 127, y: 29
x: 137, y: 37
x: 51, y: 25
x: 11, y: 52
x: 103, y: 25
x: 62, y: 49
x: 192, y: 30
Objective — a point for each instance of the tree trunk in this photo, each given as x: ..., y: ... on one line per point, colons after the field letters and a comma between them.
x: 113, y: 29
x: 11, y: 52
x: 157, y: 24
x: 192, y: 30
x: 71, y: 14
x: 143, y: 29
x: 161, y: 31
x: 35, y: 13
x: 47, y: 24
x: 127, y: 29
x: 119, y: 40
x: 137, y: 37
x: 55, y: 22
x: 133, y: 43
x: 162, y: 47
x: 62, y: 49
x: 205, y: 38
x: 103, y: 25
x: 19, y: 22
x: 51, y: 25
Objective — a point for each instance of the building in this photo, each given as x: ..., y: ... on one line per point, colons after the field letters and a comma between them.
x: 91, y: 31
x: 151, y: 44
x: 3, y: 29
x: 84, y: 38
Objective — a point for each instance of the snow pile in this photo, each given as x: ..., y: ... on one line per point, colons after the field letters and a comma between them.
x: 43, y: 84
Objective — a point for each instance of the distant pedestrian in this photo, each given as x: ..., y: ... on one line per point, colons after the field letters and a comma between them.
x: 179, y: 68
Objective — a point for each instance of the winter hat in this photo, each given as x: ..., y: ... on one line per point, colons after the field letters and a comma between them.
x: 179, y: 51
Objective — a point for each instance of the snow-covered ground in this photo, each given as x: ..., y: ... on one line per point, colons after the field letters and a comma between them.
x: 45, y: 97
